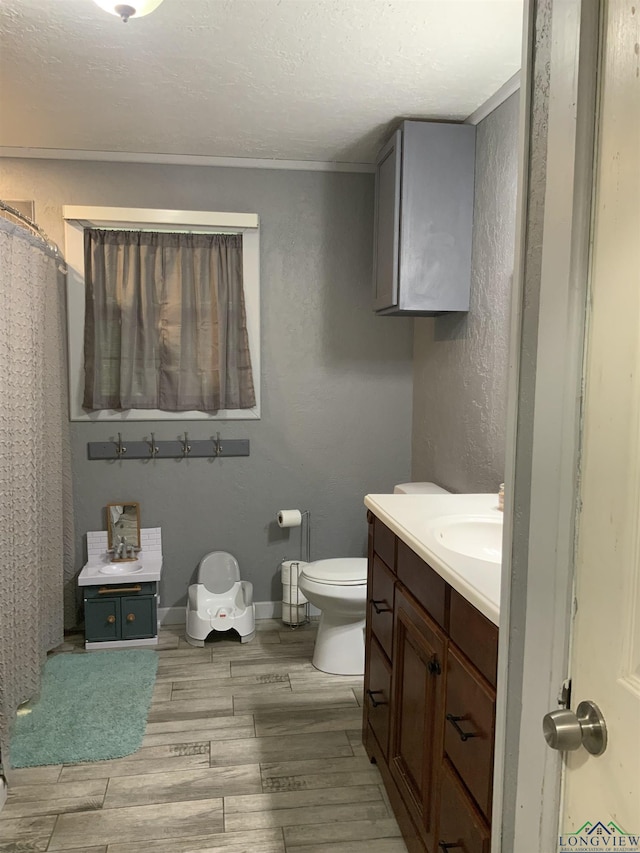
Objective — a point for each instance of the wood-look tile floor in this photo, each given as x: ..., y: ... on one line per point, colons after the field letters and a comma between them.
x: 248, y: 749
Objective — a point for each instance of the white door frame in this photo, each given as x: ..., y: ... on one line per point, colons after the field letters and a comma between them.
x: 558, y: 100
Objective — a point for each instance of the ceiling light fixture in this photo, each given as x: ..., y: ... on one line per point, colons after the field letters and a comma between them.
x: 137, y: 8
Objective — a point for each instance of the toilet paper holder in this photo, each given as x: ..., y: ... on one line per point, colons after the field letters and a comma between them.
x: 287, y: 518
x: 291, y: 595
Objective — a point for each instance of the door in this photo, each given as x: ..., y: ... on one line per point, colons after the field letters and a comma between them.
x: 606, y: 641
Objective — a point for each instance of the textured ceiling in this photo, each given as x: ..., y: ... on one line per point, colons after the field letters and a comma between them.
x: 287, y: 79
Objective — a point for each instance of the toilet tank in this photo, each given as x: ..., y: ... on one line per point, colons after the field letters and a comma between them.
x: 419, y: 489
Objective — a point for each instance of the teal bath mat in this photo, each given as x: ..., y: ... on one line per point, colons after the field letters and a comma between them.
x: 91, y: 707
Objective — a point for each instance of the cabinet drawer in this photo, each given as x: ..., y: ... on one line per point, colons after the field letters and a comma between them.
x: 422, y: 582
x: 475, y: 635
x: 469, y: 728
x: 116, y: 590
x: 376, y: 696
x: 380, y: 604
x: 384, y: 544
x: 461, y: 825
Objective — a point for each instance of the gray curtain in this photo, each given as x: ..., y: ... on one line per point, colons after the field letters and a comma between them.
x: 36, y: 532
x: 165, y: 322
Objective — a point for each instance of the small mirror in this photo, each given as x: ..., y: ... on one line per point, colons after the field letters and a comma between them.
x: 123, y: 527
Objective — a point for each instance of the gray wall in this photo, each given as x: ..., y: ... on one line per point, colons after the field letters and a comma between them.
x: 460, y: 361
x: 336, y: 380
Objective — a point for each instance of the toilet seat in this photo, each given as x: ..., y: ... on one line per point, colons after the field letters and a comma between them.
x: 218, y: 571
x: 345, y: 571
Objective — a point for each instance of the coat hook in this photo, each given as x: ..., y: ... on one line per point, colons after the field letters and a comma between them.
x: 186, y: 447
x: 153, y: 447
x: 120, y: 448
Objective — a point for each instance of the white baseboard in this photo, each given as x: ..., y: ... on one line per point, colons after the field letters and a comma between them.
x: 264, y: 610
x: 120, y: 644
x: 172, y: 615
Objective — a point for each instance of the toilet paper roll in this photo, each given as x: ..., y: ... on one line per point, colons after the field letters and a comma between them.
x: 292, y: 614
x: 290, y: 571
x: 289, y: 518
x: 291, y: 595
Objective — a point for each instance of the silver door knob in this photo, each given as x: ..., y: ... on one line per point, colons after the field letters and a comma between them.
x: 566, y: 730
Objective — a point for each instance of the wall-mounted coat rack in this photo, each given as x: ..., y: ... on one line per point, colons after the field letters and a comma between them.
x: 182, y: 448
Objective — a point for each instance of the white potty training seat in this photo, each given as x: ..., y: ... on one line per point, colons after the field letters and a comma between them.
x: 338, y: 588
x: 219, y: 600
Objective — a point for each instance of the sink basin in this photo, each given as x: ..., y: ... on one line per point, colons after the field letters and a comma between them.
x: 121, y: 568
x: 477, y: 536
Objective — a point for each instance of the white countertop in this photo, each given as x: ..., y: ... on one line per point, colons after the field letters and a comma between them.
x: 150, y: 571
x: 408, y: 516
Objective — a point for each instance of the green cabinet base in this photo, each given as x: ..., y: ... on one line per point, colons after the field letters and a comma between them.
x: 120, y: 615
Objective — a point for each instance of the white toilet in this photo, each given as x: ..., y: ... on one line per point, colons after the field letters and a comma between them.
x: 220, y: 600
x: 338, y: 588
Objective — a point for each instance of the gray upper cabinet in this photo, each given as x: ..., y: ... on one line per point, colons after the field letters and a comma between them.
x: 424, y: 219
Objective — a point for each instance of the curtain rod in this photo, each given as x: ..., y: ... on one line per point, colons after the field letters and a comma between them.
x: 166, y: 229
x: 31, y: 225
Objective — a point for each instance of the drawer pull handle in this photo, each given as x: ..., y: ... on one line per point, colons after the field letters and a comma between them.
x: 111, y: 619
x: 386, y: 609
x: 131, y: 617
x: 454, y: 722
x: 108, y: 590
x: 374, y: 702
x: 434, y: 666
x: 444, y: 846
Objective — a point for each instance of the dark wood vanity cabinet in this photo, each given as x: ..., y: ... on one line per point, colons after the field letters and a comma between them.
x: 429, y: 709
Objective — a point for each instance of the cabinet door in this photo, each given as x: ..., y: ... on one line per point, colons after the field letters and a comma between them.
x: 138, y: 617
x: 417, y: 711
x: 438, y: 165
x: 101, y: 618
x: 387, y: 224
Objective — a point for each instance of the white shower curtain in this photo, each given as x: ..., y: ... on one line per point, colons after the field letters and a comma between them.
x: 36, y: 536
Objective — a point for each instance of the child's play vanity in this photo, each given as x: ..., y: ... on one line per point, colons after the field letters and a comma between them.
x: 121, y: 592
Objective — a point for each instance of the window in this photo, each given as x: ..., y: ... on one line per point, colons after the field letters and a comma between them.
x: 79, y: 218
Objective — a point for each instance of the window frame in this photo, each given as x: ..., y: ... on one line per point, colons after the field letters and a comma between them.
x: 77, y: 218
